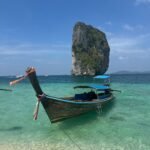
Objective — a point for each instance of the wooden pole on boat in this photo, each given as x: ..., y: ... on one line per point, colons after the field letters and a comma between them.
x: 34, y: 81
x: 31, y: 72
x: 18, y: 80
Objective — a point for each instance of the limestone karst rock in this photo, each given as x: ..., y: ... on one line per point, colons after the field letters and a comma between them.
x: 90, y: 50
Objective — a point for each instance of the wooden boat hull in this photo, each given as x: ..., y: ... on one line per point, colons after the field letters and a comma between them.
x: 59, y: 109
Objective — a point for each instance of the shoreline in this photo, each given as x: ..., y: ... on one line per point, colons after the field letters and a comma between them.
x: 67, y: 145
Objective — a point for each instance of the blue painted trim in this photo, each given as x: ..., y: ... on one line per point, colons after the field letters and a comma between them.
x: 102, y: 77
x: 73, y: 102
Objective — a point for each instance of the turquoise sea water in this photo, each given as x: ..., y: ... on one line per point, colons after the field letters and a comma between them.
x: 123, y: 125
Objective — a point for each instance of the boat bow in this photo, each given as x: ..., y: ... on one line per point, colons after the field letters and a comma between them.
x: 31, y: 72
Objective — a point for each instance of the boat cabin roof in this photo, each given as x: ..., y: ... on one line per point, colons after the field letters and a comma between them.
x: 94, y: 86
x: 102, y: 77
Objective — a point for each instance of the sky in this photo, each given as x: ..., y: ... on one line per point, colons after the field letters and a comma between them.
x: 39, y: 33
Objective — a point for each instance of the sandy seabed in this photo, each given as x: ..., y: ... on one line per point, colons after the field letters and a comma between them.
x: 69, y: 146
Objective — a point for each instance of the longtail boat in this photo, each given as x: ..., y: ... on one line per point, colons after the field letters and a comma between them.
x: 59, y: 109
x: 7, y: 90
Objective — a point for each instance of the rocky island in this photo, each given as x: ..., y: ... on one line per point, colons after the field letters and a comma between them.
x: 90, y: 50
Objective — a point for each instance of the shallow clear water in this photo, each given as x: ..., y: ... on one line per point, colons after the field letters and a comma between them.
x: 123, y: 125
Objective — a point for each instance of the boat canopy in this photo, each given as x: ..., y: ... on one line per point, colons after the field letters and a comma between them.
x: 102, y: 77
x: 94, y: 86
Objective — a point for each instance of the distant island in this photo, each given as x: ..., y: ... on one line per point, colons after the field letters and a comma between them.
x: 131, y: 72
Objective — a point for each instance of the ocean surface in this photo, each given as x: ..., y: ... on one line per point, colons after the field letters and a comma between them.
x: 123, y: 125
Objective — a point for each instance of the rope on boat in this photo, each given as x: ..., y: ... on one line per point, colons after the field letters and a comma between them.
x: 28, y: 72
x: 35, y: 114
x: 71, y: 140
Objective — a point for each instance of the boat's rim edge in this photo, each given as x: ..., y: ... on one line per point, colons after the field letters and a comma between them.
x: 79, y: 102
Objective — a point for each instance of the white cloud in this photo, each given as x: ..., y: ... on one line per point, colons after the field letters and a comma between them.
x: 132, y: 28
x: 129, y: 53
x: 140, y: 27
x: 129, y: 45
x: 137, y: 2
x: 128, y: 27
x: 122, y: 57
x: 121, y: 44
x: 30, y: 49
x: 109, y: 33
x: 144, y: 36
x: 108, y: 23
x: 38, y: 55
